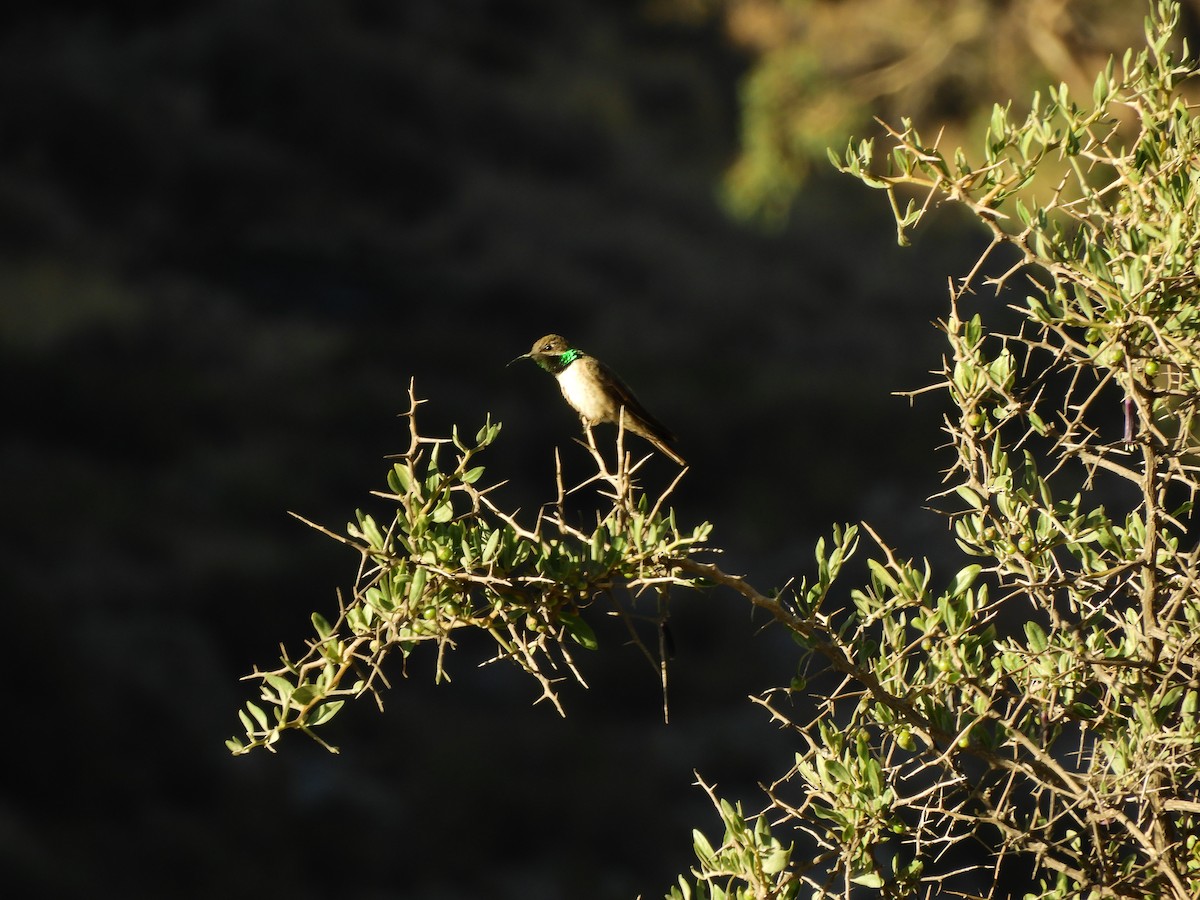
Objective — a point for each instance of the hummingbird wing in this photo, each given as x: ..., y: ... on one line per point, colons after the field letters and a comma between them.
x: 637, y: 417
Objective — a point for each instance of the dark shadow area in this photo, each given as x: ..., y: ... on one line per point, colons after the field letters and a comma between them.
x: 232, y: 232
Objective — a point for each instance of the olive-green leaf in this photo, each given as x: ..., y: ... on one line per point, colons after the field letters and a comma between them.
x: 704, y: 850
x: 321, y: 624
x: 324, y: 712
x: 1037, y: 637
x: 964, y: 579
x: 259, y: 715
x: 579, y: 630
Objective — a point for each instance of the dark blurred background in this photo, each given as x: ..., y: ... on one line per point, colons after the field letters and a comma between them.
x: 232, y: 232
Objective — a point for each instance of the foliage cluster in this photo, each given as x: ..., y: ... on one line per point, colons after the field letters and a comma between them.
x: 821, y: 71
x: 1032, y: 715
x: 451, y: 559
x: 1043, y: 703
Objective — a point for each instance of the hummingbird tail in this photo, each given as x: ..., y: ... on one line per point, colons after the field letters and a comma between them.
x: 641, y: 423
x: 668, y: 452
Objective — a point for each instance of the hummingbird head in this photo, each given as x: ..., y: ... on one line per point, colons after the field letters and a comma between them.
x: 552, y: 352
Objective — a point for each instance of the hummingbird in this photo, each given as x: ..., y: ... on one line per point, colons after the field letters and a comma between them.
x: 596, y: 392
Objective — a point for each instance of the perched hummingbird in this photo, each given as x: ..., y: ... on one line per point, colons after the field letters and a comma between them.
x: 596, y: 393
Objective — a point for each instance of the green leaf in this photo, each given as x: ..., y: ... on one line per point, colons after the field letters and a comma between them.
x: 970, y: 496
x: 282, y: 686
x: 579, y: 630
x: 964, y: 579
x: 259, y: 715
x: 999, y: 124
x: 1100, y: 89
x: 836, y: 772
x: 1037, y: 637
x: 323, y: 713
x: 869, y: 879
x: 304, y: 694
x: 489, y: 549
x: 371, y: 531
x: 400, y: 479
x: 487, y: 433
x: 416, y: 587
x: 974, y: 331
x: 824, y: 812
x: 777, y: 860
x: 321, y: 624
x: 880, y: 573
x: 1022, y: 210
x: 704, y: 850
x: 874, y: 776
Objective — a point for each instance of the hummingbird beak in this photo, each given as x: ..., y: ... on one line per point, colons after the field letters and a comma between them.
x: 522, y: 356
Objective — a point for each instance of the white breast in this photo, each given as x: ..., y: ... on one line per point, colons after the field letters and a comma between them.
x: 582, y: 394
